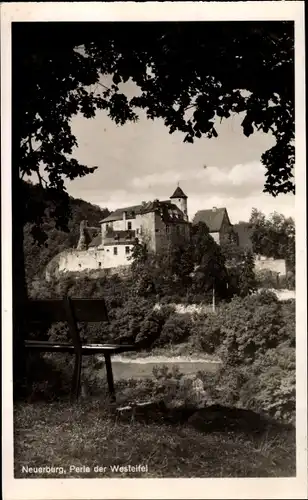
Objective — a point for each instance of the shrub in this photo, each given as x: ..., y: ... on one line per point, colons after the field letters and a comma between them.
x: 151, y: 327
x: 270, y: 387
x: 206, y: 332
x: 176, y: 329
x: 267, y: 386
x: 48, y: 376
x: 250, y: 327
x: 267, y: 279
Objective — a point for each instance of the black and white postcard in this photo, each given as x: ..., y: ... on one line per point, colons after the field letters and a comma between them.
x: 154, y: 327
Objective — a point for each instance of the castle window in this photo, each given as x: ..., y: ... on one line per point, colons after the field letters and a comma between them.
x: 99, y: 264
x: 167, y: 229
x: 115, y: 251
x: 127, y: 250
x: 129, y: 226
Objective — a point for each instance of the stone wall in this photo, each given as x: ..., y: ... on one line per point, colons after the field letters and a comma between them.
x: 71, y: 261
x: 270, y: 264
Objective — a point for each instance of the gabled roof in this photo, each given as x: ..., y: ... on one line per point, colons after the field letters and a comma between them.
x: 213, y: 218
x: 178, y: 193
x: 168, y: 210
x: 96, y: 241
x: 118, y: 213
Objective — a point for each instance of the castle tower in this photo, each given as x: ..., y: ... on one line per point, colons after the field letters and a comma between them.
x: 179, y: 198
x: 83, y: 236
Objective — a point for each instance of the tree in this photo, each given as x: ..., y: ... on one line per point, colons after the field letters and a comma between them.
x: 273, y: 236
x: 209, y: 262
x: 247, y: 279
x: 64, y: 62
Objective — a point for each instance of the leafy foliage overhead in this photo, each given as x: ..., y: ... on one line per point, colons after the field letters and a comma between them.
x: 187, y: 74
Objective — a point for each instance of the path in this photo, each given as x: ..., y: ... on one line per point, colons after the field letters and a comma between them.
x: 138, y: 368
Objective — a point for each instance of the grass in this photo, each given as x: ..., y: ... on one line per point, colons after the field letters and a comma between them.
x: 90, y: 434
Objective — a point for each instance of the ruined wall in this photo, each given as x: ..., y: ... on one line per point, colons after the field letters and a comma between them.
x: 270, y: 264
x: 79, y: 260
x: 94, y: 259
x: 146, y: 223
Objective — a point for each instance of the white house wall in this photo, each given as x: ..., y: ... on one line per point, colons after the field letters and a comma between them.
x: 216, y: 237
x: 121, y: 259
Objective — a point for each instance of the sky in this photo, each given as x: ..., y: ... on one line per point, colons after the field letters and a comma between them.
x: 142, y: 162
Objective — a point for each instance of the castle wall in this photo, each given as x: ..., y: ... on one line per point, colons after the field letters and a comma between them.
x: 121, y: 225
x: 146, y: 223
x: 79, y: 260
x: 181, y: 203
x: 94, y: 259
x: 120, y: 259
x: 270, y: 264
x: 160, y: 233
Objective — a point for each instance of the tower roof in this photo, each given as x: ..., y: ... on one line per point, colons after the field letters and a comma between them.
x: 178, y: 193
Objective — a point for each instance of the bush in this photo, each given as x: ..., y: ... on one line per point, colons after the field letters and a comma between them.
x: 151, y: 327
x: 206, y: 333
x: 251, y: 326
x: 176, y: 329
x: 270, y: 387
x: 267, y: 279
x: 48, y: 376
x: 267, y: 386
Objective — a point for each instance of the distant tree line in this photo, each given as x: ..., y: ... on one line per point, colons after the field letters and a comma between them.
x: 40, y: 248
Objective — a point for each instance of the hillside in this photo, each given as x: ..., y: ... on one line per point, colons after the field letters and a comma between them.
x: 36, y: 256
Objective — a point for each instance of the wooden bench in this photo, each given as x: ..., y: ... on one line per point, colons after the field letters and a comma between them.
x: 73, y: 311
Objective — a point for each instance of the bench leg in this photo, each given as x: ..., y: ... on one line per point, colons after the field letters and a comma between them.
x: 76, y: 378
x: 109, y: 376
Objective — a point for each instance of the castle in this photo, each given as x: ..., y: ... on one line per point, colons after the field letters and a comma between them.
x: 157, y: 223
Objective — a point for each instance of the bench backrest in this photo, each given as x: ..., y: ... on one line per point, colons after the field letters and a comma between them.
x: 67, y: 309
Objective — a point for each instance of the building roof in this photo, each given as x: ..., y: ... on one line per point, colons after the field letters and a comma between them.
x: 178, y: 193
x: 213, y: 218
x: 96, y: 241
x: 131, y: 212
x: 168, y: 211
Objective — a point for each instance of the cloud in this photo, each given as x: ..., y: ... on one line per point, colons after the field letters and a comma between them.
x: 241, y: 177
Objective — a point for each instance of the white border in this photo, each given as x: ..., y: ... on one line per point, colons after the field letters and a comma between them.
x: 285, y: 488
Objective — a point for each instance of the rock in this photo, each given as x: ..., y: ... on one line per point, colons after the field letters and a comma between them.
x: 145, y: 411
x: 218, y: 418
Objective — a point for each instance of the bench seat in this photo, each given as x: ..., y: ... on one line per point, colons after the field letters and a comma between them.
x: 47, y: 346
x: 73, y: 311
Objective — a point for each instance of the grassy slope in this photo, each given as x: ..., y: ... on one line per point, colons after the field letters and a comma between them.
x: 89, y: 434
